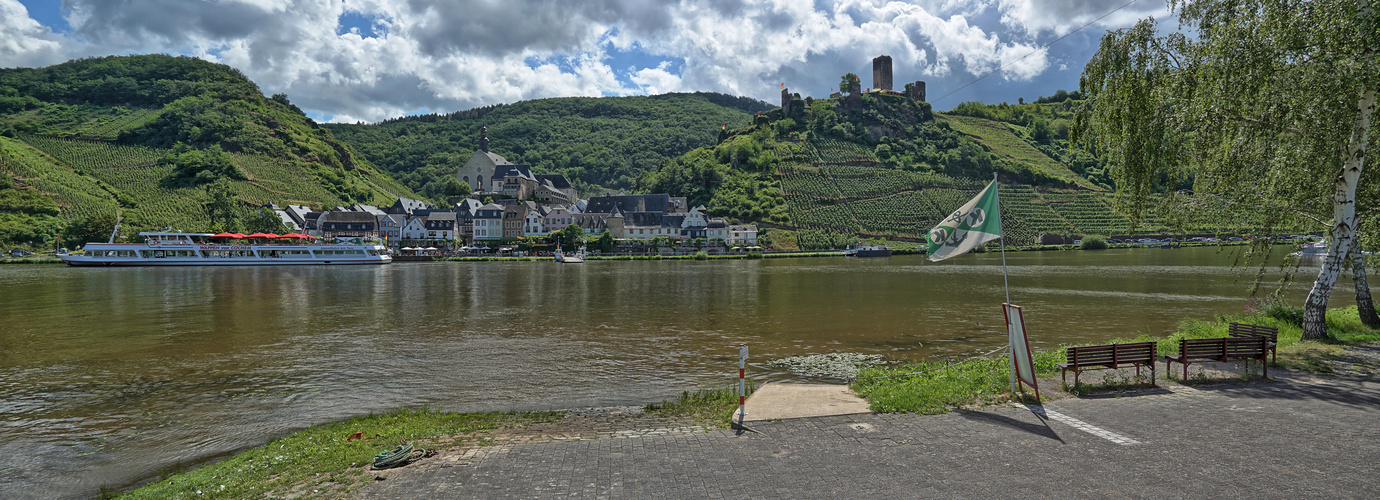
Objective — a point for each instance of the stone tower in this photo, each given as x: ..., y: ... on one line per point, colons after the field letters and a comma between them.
x: 785, y: 102
x: 916, y: 91
x: 881, y: 72
x: 484, y: 139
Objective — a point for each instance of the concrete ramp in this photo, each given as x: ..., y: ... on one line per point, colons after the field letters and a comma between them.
x: 778, y: 401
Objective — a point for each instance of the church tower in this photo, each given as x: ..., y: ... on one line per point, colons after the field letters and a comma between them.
x: 484, y: 139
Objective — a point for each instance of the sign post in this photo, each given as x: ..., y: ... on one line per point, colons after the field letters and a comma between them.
x: 1023, y: 369
x: 742, y: 383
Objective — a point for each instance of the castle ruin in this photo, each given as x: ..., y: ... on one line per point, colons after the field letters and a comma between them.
x: 881, y: 72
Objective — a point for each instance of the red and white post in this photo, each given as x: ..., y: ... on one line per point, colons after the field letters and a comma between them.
x: 742, y: 382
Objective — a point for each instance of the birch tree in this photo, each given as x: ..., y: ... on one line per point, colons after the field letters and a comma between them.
x: 1262, y: 103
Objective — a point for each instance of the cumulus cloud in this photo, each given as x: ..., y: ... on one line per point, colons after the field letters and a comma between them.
x: 1063, y: 16
x: 23, y: 41
x: 440, y: 56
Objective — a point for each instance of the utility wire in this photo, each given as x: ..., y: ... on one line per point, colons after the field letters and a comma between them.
x: 1045, y: 46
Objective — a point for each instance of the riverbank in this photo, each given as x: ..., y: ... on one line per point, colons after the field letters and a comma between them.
x: 31, y: 260
x: 334, y: 460
x: 323, y: 461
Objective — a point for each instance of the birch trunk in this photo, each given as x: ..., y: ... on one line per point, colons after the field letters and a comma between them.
x: 1343, y: 232
x: 1364, y: 305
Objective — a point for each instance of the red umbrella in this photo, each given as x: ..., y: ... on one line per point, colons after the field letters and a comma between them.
x: 227, y: 235
x: 261, y: 235
x: 238, y: 235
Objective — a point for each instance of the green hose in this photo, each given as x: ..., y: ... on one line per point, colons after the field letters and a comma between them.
x: 400, y: 456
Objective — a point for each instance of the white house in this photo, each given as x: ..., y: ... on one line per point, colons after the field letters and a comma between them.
x: 742, y: 234
x: 414, y: 228
x: 488, y: 223
x: 534, y: 225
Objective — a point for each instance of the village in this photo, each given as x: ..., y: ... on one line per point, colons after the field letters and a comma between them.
x: 513, y: 211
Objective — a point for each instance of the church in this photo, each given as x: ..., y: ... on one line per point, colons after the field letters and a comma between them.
x: 487, y: 173
x: 478, y: 172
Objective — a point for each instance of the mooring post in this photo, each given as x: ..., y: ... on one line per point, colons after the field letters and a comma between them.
x: 742, y: 383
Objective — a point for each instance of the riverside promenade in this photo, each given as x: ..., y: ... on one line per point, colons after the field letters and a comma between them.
x: 1297, y: 435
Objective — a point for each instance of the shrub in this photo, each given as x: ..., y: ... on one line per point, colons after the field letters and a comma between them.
x: 1093, y: 242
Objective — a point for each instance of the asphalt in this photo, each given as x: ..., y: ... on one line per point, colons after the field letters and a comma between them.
x: 1295, y: 436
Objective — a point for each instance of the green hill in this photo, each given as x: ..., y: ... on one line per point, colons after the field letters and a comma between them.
x: 597, y: 142
x: 887, y: 167
x: 141, y: 138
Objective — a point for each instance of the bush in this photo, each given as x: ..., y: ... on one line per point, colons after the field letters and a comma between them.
x: 1094, y: 242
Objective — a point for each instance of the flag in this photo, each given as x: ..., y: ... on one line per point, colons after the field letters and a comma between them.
x: 975, y: 223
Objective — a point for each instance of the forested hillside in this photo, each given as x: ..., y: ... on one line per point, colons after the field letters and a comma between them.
x: 603, y: 142
x: 150, y: 140
x: 886, y: 166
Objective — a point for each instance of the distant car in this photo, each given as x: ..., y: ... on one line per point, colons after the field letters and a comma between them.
x: 20, y: 252
x: 1234, y: 238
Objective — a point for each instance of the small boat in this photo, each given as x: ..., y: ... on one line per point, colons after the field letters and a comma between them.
x: 1312, y: 249
x: 872, y: 251
x: 575, y: 258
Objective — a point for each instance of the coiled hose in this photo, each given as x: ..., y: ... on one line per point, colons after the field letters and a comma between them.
x: 400, y: 456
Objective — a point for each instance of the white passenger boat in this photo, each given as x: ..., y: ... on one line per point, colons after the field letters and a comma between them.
x: 197, y: 249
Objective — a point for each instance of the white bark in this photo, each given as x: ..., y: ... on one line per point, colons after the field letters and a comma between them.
x: 1343, y: 232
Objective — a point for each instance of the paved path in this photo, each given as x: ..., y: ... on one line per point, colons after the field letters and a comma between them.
x: 1283, y: 439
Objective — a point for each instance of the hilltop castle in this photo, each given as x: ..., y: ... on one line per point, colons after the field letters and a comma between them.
x: 792, y: 104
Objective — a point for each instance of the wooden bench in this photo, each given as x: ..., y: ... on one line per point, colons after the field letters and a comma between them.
x: 1110, y: 356
x: 1226, y: 349
x: 1270, y: 333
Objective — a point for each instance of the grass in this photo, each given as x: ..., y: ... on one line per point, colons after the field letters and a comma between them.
x: 986, y: 381
x: 319, y: 462
x: 1003, y: 142
x: 713, y: 407
x: 30, y: 260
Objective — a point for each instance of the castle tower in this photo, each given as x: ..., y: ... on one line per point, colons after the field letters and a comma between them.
x: 484, y: 139
x: 881, y: 72
x: 785, y: 102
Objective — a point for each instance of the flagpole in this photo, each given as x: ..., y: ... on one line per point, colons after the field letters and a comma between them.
x: 1006, y: 280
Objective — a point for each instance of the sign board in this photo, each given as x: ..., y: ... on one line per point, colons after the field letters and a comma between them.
x: 1020, y: 347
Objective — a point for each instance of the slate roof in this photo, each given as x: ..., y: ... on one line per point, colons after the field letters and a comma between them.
x: 441, y: 216
x: 349, y: 218
x: 371, y: 209
x: 556, y: 181
x: 490, y: 207
x: 409, y: 206
x: 629, y: 203
x: 511, y: 170
x: 399, y: 220
x: 288, y: 220
x: 298, y: 213
x: 468, y: 205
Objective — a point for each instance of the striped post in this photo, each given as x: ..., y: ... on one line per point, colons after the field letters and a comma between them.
x: 742, y: 382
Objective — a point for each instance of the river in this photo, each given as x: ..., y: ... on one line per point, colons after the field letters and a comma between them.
x: 108, y: 376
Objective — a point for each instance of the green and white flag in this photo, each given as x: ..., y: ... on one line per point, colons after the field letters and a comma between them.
x: 977, y: 222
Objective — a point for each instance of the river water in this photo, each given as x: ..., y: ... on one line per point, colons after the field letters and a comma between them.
x: 108, y: 376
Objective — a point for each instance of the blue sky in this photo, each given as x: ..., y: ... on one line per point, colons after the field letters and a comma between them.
x: 368, y: 60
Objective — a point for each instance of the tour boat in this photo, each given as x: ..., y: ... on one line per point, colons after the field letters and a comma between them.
x: 194, y: 249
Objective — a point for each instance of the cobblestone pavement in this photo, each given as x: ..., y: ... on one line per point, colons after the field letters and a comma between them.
x: 1293, y: 437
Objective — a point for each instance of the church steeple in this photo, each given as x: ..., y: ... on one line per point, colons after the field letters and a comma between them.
x: 484, y: 139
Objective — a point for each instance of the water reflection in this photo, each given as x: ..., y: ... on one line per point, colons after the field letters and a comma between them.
x: 109, y: 375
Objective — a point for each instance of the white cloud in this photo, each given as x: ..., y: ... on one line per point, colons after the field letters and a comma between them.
x: 444, y: 56
x: 23, y: 41
x: 1063, y: 16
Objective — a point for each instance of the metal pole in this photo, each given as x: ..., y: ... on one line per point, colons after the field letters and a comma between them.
x: 742, y: 383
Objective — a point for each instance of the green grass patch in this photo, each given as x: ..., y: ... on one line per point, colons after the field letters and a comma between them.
x: 319, y: 462
x: 936, y: 389
x: 712, y: 407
